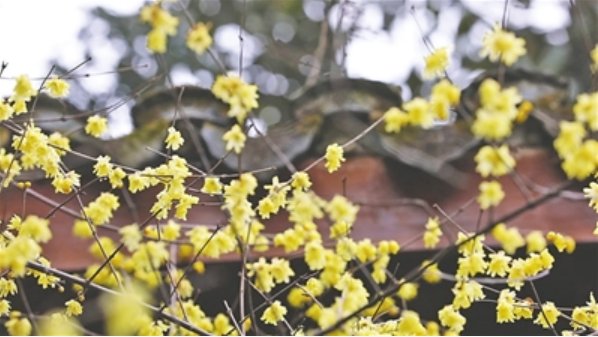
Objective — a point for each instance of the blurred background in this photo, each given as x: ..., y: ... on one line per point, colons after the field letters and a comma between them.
x: 283, y: 43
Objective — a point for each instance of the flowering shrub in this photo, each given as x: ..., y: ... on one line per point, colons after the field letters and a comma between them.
x: 344, y: 285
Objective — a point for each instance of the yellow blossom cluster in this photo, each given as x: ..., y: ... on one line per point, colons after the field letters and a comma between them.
x: 241, y: 96
x: 585, y: 316
x: 433, y: 233
x: 163, y: 25
x: 497, y: 112
x: 509, y: 309
x: 22, y: 93
x: 100, y: 210
x: 422, y: 113
x: 509, y: 238
x: 577, y: 152
x: 171, y: 176
x: 267, y: 275
x: 38, y: 150
x: 105, y: 169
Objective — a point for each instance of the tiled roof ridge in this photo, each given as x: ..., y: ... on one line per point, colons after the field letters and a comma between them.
x: 332, y: 110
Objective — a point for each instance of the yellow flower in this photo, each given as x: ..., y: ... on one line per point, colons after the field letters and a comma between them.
x: 7, y: 287
x: 198, y: 38
x: 96, y: 125
x: 156, y: 41
x: 366, y: 251
x: 73, y: 308
x: 471, y: 265
x: 502, y: 45
x: 81, y: 229
x: 346, y: 248
x: 340, y: 209
x: 523, y: 111
x: 509, y: 238
x: 451, y: 318
x: 130, y: 236
x: 4, y: 307
x: 116, y: 177
x: 571, y: 135
x: 433, y: 233
x: 211, y: 186
x: 467, y: 292
x: 445, y: 89
x: 281, y: 270
x: 548, y: 316
x: 495, y: 161
x: 475, y: 245
x: 535, y: 241
x: 440, y: 108
x: 171, y: 231
x: 222, y: 325
x: 19, y: 106
x: 436, y: 63
x: 591, y: 193
x: 395, y: 119
x: 235, y: 139
x: 499, y: 264
x: 297, y: 298
x: 158, y: 18
x: 315, y: 256
x: 561, y: 242
x: 388, y: 247
x: 499, y: 101
x: 581, y: 163
x: 103, y: 167
x: 64, y: 183
x: 274, y: 313
x: 163, y: 24
x: 410, y: 324
x: 431, y: 274
x: 300, y: 181
x: 408, y: 291
x: 57, y: 87
x: 242, y: 97
x: 174, y: 140
x: 586, y: 110
x: 266, y: 207
x: 138, y: 182
x: 491, y: 126
x: 36, y: 228
x: 17, y: 326
x: 491, y: 194
x: 100, y: 210
x: 432, y: 329
x: 6, y: 111
x: 505, y: 307
x: 56, y: 139
x: 23, y: 90
x: 419, y: 112
x: 334, y: 157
